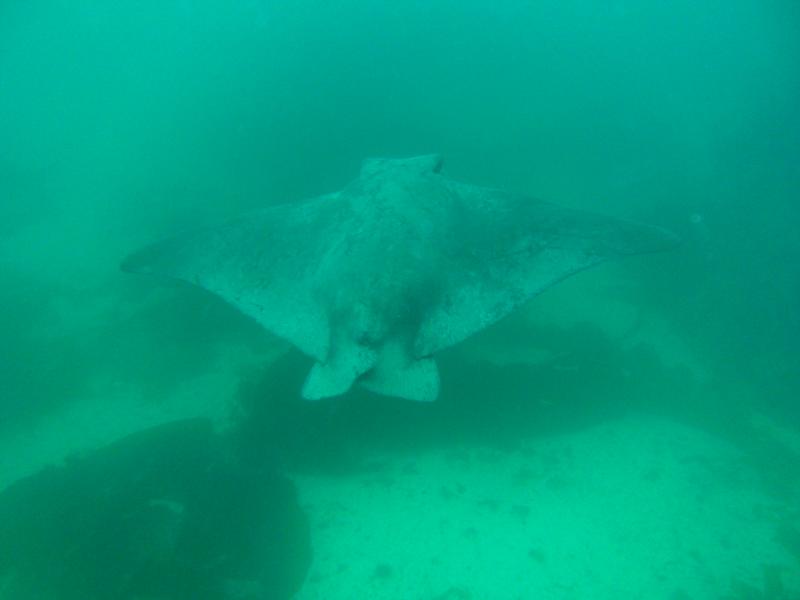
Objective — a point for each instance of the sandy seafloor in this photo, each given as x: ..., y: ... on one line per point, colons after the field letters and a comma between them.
x: 633, y: 508
x: 637, y: 507
x: 628, y: 507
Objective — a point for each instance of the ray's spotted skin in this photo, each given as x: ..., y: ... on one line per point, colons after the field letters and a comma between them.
x: 403, y: 262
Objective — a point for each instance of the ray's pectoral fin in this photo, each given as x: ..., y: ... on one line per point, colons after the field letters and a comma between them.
x: 261, y: 263
x: 509, y: 248
x: 398, y: 374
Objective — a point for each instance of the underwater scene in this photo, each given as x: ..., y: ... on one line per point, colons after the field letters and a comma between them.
x: 411, y: 300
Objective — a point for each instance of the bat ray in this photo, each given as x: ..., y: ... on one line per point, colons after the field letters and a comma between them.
x: 403, y: 262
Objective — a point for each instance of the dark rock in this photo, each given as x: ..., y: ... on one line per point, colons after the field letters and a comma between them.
x: 167, y: 513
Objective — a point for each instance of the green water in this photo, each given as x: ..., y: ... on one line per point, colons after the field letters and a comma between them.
x: 123, y: 122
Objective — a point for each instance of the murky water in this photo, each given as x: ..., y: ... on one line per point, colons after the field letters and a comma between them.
x: 630, y: 433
